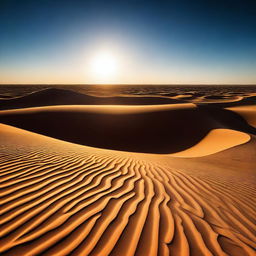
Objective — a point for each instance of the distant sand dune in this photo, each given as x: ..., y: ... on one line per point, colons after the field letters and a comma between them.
x: 241, y: 101
x: 53, y: 96
x: 57, y: 96
x: 60, y: 198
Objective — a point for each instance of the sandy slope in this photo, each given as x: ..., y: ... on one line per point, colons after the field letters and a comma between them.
x: 60, y: 198
x: 215, y: 141
x: 148, y: 129
x: 248, y: 112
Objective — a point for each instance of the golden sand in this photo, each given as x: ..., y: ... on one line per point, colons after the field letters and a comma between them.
x: 174, y: 179
x: 60, y: 198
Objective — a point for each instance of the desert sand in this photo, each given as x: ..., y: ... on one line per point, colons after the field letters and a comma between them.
x: 160, y: 178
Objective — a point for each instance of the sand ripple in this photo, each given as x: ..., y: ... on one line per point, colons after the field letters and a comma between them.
x: 83, y: 201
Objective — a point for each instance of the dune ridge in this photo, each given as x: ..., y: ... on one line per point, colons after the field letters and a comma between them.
x: 161, y: 129
x: 60, y: 198
x: 215, y: 141
x: 248, y: 112
x: 60, y: 96
x: 54, y: 96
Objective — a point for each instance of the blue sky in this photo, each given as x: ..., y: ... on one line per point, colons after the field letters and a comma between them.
x: 185, y: 41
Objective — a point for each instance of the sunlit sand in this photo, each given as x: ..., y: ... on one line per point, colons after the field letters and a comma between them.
x: 165, y: 179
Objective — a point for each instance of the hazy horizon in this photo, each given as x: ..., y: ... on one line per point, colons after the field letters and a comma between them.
x: 132, y: 84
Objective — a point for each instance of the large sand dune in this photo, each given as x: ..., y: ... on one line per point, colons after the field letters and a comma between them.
x: 60, y: 198
x: 148, y: 129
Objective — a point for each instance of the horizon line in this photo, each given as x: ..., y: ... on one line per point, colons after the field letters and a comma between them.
x: 199, y: 84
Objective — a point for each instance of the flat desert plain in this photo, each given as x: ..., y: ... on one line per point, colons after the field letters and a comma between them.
x: 128, y: 175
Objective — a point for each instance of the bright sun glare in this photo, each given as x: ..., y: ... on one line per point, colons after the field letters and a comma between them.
x: 104, y: 66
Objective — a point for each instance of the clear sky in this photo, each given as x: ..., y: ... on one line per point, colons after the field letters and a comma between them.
x: 156, y: 42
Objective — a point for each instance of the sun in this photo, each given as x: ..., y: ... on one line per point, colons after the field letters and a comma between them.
x: 104, y: 66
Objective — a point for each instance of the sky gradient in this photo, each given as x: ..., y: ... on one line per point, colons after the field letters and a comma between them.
x: 156, y: 42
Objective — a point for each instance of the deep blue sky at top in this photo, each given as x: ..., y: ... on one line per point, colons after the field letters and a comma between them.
x: 217, y: 37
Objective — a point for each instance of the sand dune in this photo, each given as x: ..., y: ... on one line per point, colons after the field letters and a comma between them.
x: 148, y: 129
x: 233, y: 168
x: 60, y: 198
x: 215, y: 141
x: 218, y: 99
x: 242, y: 101
x: 248, y: 112
x: 109, y: 96
x: 53, y: 96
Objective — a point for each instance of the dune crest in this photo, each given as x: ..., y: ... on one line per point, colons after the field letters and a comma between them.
x: 161, y: 129
x: 248, y: 112
x: 62, y: 199
x: 54, y: 96
x: 215, y: 141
